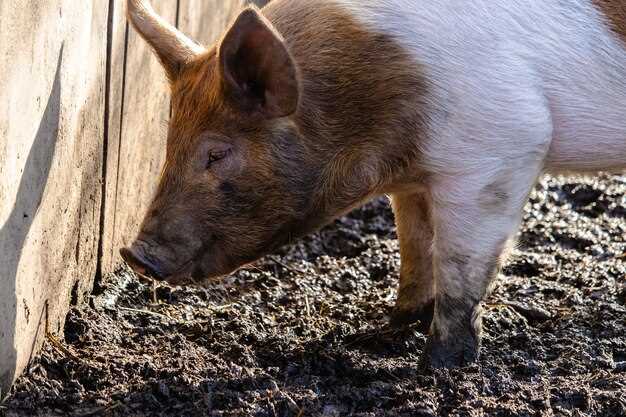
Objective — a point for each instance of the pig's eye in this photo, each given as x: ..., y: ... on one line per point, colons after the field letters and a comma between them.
x: 215, y: 156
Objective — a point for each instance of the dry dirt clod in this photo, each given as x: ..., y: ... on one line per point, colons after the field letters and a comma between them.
x: 530, y: 312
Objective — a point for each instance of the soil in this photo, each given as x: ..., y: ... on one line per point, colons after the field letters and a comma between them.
x: 305, y: 331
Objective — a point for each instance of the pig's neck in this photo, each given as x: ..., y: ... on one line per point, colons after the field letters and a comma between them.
x: 362, y: 98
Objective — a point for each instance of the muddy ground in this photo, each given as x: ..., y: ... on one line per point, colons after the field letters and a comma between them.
x: 305, y: 333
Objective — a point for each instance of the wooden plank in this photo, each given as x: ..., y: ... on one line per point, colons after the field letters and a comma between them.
x: 117, y: 34
x: 138, y: 114
x: 205, y: 20
x: 52, y: 82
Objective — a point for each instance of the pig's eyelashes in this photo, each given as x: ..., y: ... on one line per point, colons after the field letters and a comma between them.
x: 215, y: 156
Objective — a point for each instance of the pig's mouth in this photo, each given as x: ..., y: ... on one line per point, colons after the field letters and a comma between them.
x: 145, y: 265
x: 183, y: 275
x: 190, y: 272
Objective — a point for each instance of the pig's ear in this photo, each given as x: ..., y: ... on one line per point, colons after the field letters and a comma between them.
x: 172, y: 47
x: 257, y: 69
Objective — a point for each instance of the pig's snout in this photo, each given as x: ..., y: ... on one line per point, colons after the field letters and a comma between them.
x: 140, y: 264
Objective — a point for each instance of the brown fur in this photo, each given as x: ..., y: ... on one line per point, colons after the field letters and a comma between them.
x: 615, y: 12
x: 365, y: 113
x: 355, y: 132
x: 415, y: 234
x: 252, y: 56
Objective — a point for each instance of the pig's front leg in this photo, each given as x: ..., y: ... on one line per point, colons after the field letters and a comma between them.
x: 473, y: 216
x: 416, y: 300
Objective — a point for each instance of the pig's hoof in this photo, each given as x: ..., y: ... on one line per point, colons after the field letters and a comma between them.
x: 451, y: 353
x: 423, y: 315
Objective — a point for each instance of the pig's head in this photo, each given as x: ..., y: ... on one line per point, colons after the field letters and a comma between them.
x: 239, y: 177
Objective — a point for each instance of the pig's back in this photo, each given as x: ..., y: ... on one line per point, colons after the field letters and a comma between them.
x: 488, y: 55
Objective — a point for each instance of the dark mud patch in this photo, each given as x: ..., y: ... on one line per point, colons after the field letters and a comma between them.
x: 304, y: 332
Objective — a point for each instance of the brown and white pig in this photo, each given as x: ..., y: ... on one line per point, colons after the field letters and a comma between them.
x: 306, y: 109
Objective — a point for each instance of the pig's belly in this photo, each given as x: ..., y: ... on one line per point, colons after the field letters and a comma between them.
x: 588, y: 139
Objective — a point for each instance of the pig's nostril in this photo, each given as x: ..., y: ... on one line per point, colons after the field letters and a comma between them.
x: 139, y: 264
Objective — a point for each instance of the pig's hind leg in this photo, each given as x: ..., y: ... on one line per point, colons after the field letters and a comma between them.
x: 415, y: 302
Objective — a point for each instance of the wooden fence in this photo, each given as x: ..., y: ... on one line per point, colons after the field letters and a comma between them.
x: 83, y: 105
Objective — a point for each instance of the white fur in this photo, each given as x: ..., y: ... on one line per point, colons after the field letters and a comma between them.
x: 515, y: 87
x: 499, y: 69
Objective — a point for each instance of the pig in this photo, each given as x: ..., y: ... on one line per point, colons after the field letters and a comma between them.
x: 304, y: 110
